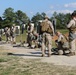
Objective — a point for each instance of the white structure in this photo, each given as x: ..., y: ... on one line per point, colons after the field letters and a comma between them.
x: 17, y: 30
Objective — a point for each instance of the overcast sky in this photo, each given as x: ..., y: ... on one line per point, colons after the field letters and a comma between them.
x: 31, y: 7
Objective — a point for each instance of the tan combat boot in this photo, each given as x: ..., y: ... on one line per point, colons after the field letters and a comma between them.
x: 49, y: 55
x: 71, y: 54
x: 42, y: 55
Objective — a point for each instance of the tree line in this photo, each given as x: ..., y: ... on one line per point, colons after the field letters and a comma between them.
x: 19, y: 17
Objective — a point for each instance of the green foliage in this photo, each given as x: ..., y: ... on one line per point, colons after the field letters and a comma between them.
x: 10, y: 17
x: 1, y: 21
x: 19, y: 17
x: 62, y: 20
x: 37, y: 17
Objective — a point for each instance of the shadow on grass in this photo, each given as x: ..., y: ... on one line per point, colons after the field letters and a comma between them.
x: 32, y: 54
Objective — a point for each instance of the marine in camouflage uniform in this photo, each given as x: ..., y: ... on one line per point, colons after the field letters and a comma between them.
x: 72, y: 34
x: 13, y: 34
x: 47, y: 37
x: 7, y: 33
x: 30, y: 29
x: 62, y: 43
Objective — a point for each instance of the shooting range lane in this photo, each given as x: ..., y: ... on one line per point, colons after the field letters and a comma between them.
x: 27, y: 53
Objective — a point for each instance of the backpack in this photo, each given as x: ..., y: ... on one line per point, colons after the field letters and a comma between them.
x: 45, y: 27
x: 65, y: 39
x: 65, y: 42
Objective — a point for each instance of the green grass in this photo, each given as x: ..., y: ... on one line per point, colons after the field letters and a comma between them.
x: 64, y: 31
x: 12, y: 65
x: 16, y: 65
x: 33, y: 67
x: 21, y: 37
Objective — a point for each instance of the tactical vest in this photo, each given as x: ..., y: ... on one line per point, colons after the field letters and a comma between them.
x: 45, y: 27
x: 73, y: 28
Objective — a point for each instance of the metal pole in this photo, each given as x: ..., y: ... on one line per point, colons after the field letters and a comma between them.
x: 54, y: 24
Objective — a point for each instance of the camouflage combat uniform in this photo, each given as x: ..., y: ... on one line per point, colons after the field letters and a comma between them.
x: 72, y: 34
x: 47, y: 37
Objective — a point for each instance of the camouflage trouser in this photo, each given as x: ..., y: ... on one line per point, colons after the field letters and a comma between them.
x: 13, y: 37
x: 46, y: 38
x: 29, y: 39
x: 7, y: 37
x: 73, y: 45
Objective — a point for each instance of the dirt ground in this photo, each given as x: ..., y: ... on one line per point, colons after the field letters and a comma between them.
x: 27, y: 53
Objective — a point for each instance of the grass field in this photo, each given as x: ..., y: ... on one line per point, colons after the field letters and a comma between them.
x: 64, y: 31
x: 21, y: 37
x: 14, y: 65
